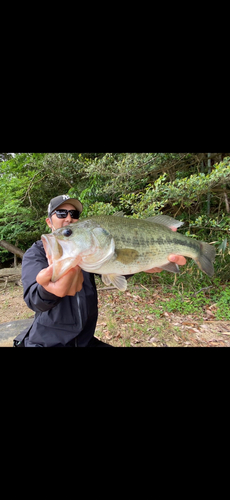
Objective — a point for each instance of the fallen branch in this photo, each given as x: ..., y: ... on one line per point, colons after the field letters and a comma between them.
x: 205, y: 288
x: 10, y: 276
x: 10, y: 273
x: 11, y: 248
x: 108, y: 288
x: 144, y: 287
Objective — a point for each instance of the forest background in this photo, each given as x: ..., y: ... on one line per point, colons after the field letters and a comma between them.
x: 192, y: 187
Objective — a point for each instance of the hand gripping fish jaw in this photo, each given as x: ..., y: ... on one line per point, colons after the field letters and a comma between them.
x: 59, y: 255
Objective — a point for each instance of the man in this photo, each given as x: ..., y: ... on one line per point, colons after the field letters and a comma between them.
x: 65, y: 311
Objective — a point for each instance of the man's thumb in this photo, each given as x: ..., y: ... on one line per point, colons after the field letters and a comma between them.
x: 44, y: 277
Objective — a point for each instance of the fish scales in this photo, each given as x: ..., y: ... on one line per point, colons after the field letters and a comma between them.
x: 152, y: 241
x: 117, y: 246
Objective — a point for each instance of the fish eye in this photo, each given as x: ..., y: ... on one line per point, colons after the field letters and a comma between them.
x: 67, y: 232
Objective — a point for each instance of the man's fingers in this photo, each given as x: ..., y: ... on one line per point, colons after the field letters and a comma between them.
x: 45, y: 275
x: 178, y: 259
x: 68, y: 284
x: 154, y: 270
x: 77, y: 280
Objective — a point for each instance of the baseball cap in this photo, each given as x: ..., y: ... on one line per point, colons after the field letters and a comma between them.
x: 56, y: 202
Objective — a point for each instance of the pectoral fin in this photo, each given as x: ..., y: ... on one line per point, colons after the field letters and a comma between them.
x: 118, y: 281
x: 105, y: 278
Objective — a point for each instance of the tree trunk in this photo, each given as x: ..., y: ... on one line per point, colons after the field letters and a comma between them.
x: 226, y: 202
x: 16, y: 257
x: 11, y: 248
x: 209, y: 194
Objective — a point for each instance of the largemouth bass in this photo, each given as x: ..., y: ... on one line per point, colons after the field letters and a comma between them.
x: 116, y: 246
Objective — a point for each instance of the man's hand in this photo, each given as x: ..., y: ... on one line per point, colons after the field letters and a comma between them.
x: 69, y: 284
x: 178, y: 259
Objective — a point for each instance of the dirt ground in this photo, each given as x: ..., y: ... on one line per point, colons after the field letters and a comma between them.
x: 12, y: 305
x: 125, y: 320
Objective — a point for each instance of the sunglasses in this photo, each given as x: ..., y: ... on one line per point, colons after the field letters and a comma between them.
x: 62, y: 214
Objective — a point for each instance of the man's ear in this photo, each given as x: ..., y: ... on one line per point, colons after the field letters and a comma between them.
x: 48, y: 222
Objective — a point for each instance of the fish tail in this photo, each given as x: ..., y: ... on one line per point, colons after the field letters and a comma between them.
x: 206, y: 258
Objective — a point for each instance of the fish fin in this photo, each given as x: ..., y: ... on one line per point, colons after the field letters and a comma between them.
x: 206, y: 258
x: 165, y: 220
x: 171, y: 267
x: 118, y: 281
x: 119, y: 214
x: 105, y: 278
x: 126, y: 255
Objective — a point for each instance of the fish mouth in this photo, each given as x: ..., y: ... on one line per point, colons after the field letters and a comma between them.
x: 61, y: 254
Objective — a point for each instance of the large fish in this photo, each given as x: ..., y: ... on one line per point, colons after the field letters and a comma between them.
x: 116, y: 246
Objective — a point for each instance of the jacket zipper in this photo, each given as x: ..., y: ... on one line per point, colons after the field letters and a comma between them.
x: 79, y: 309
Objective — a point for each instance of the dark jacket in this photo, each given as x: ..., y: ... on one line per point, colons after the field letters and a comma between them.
x: 58, y: 322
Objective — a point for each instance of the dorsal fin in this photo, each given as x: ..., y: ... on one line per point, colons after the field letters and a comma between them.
x: 118, y: 214
x: 165, y: 220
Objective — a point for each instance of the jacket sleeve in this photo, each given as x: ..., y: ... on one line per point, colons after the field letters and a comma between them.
x: 35, y: 296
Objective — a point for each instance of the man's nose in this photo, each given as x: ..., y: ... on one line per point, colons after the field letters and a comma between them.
x: 68, y: 219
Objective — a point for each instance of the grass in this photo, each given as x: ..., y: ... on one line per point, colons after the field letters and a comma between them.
x: 156, y: 309
x: 190, y: 303
x: 190, y: 293
x: 223, y: 305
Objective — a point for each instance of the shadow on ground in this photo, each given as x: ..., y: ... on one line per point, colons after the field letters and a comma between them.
x: 10, y: 330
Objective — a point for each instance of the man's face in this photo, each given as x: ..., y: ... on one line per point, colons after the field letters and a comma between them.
x: 58, y: 223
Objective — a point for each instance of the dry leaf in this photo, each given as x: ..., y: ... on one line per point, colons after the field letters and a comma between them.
x: 152, y: 339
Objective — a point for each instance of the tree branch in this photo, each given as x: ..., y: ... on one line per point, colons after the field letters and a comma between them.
x: 11, y: 248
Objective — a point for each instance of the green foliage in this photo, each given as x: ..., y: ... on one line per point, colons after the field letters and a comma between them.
x: 140, y: 184
x: 27, y: 182
x: 186, y: 304
x: 180, y: 193
x: 223, y: 305
x: 195, y: 303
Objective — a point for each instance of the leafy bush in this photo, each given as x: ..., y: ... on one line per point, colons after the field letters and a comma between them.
x: 141, y: 184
